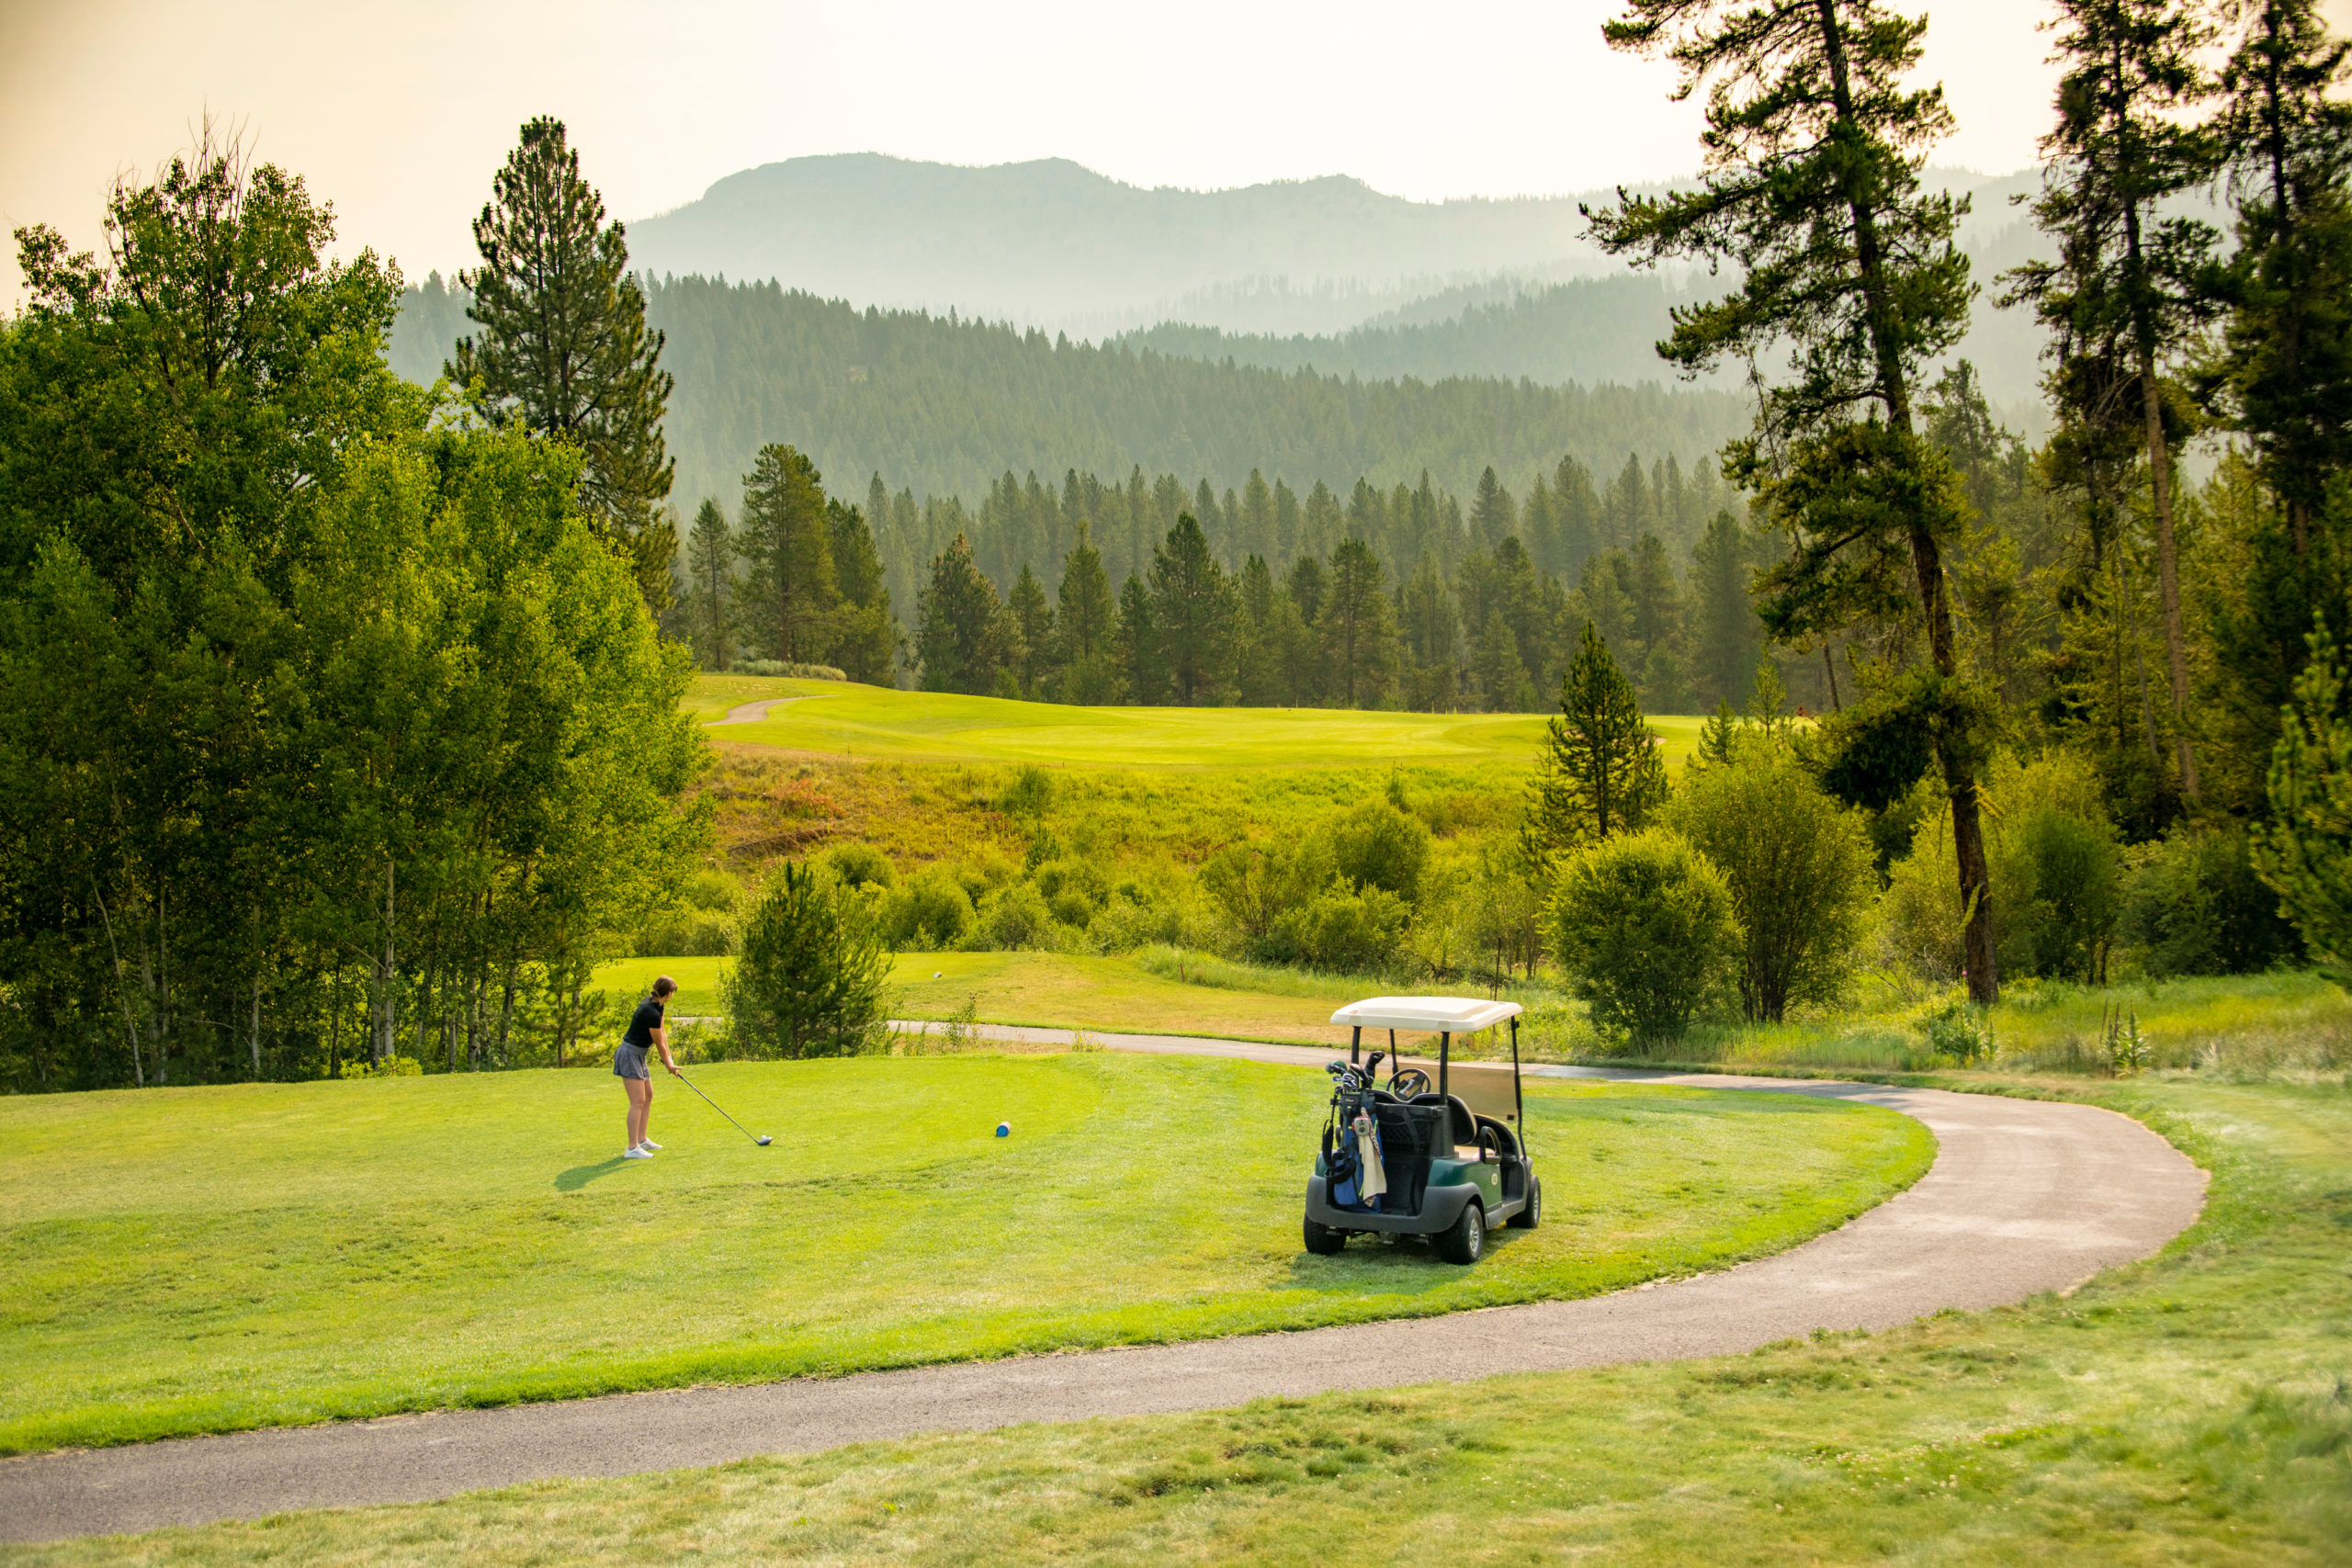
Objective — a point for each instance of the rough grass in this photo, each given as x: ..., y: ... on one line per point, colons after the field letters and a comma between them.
x: 856, y: 721
x: 190, y: 1260
x: 2294, y: 1025
x: 2193, y: 1409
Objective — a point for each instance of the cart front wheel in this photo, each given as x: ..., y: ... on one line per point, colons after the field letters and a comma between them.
x: 1466, y: 1239
x: 1322, y: 1240
x: 1527, y: 1219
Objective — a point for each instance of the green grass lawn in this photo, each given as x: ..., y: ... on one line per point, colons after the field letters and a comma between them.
x: 840, y: 717
x: 190, y: 1260
x: 2192, y: 1409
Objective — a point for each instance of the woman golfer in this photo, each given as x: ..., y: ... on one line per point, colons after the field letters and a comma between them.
x: 646, y: 1031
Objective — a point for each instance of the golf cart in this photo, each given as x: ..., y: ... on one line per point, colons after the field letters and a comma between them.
x: 1443, y: 1157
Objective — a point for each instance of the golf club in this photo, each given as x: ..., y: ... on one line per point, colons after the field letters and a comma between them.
x: 759, y: 1138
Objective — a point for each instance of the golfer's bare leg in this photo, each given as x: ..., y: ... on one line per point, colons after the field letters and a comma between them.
x: 640, y: 1103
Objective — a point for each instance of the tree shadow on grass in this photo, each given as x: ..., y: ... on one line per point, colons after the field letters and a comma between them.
x: 580, y: 1176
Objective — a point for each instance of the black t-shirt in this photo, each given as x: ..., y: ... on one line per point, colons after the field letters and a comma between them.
x: 641, y: 1026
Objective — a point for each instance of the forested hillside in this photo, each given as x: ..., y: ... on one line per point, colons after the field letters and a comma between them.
x: 944, y: 406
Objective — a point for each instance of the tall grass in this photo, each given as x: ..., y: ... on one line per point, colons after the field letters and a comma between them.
x: 2284, y: 1026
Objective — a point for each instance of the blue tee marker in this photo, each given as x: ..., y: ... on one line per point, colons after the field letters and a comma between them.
x: 1004, y: 1129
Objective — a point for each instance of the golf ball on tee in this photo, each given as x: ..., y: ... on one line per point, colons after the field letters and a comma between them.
x: 1004, y: 1129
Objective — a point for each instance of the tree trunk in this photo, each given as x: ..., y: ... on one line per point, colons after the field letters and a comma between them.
x: 2168, y: 570
x: 254, y: 1037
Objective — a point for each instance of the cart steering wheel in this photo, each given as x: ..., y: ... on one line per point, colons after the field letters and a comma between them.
x: 1411, y: 1082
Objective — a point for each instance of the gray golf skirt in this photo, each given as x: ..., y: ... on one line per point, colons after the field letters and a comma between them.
x: 629, y: 1061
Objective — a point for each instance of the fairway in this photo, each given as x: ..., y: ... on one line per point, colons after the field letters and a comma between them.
x: 187, y: 1260
x: 1052, y: 990
x: 845, y: 719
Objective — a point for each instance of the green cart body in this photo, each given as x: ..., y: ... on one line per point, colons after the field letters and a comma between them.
x: 1455, y: 1152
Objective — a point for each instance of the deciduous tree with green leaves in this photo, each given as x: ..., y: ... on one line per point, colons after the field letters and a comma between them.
x: 1814, y: 143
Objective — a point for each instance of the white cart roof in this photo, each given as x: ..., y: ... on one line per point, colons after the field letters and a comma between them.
x: 1458, y: 1015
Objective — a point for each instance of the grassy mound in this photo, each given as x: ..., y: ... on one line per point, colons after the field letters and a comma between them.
x: 189, y: 1261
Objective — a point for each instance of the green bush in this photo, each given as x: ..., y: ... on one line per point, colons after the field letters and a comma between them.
x: 2057, y: 893
x: 1644, y: 925
x: 1016, y: 917
x: 808, y: 980
x: 1960, y: 1031
x: 1029, y: 795
x: 1348, y: 930
x: 1377, y: 845
x: 1073, y: 889
x: 787, y: 667
x: 1799, y: 866
x: 927, y: 912
x: 2193, y: 904
x: 860, y: 865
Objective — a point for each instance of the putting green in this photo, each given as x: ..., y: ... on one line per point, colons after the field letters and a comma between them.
x: 842, y: 717
x: 190, y: 1260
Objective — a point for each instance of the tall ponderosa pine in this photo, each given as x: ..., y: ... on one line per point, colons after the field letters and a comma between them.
x: 1035, y: 618
x: 865, y: 637
x: 564, y: 350
x: 793, y: 592
x: 1086, y: 626
x: 1601, y: 770
x: 1192, y: 610
x: 2284, y: 378
x: 1357, y: 633
x: 959, y: 625
x: 1813, y: 145
x: 2120, y: 147
x: 710, y: 567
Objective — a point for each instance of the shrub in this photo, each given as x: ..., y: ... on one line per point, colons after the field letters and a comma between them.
x: 2056, y: 875
x: 1799, y: 867
x: 860, y: 865
x: 808, y: 981
x: 1643, y: 924
x: 786, y: 667
x: 1377, y: 845
x: 928, y: 911
x: 1016, y: 916
x: 1345, y: 928
x: 1029, y: 793
x: 1073, y: 889
x: 1960, y: 1031
x: 2193, y: 904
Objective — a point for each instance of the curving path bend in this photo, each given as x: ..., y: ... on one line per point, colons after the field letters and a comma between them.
x: 2025, y: 1196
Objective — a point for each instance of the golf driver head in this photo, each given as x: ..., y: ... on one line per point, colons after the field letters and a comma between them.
x: 765, y: 1140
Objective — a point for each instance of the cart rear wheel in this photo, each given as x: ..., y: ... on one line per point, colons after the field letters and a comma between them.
x: 1527, y: 1219
x: 1466, y: 1238
x: 1323, y: 1240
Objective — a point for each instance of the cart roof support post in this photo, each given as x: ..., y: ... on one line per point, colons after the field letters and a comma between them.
x: 1444, y: 1050
x: 1356, y: 1046
x: 1518, y: 1096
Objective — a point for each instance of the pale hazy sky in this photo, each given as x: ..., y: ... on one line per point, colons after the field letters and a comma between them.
x: 398, y: 110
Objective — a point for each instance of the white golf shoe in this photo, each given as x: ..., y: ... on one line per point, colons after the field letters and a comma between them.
x: 647, y: 1143
x: 638, y: 1154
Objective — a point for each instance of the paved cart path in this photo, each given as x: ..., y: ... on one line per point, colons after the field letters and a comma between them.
x: 752, y: 713
x: 2024, y: 1196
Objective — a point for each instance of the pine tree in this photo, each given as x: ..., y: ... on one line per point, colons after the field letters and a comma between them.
x: 793, y: 592
x: 1137, y: 645
x: 865, y: 640
x: 1492, y: 516
x: 1026, y: 604
x: 1724, y: 633
x: 961, y: 629
x: 1812, y: 196
x: 1086, y: 627
x: 1601, y: 770
x: 1192, y: 610
x: 1498, y: 670
x: 1358, y: 638
x: 564, y: 350
x: 710, y: 558
x: 1425, y: 618
x: 2120, y: 147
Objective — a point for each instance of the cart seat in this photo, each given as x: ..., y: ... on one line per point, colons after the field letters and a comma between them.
x: 1461, y: 1124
